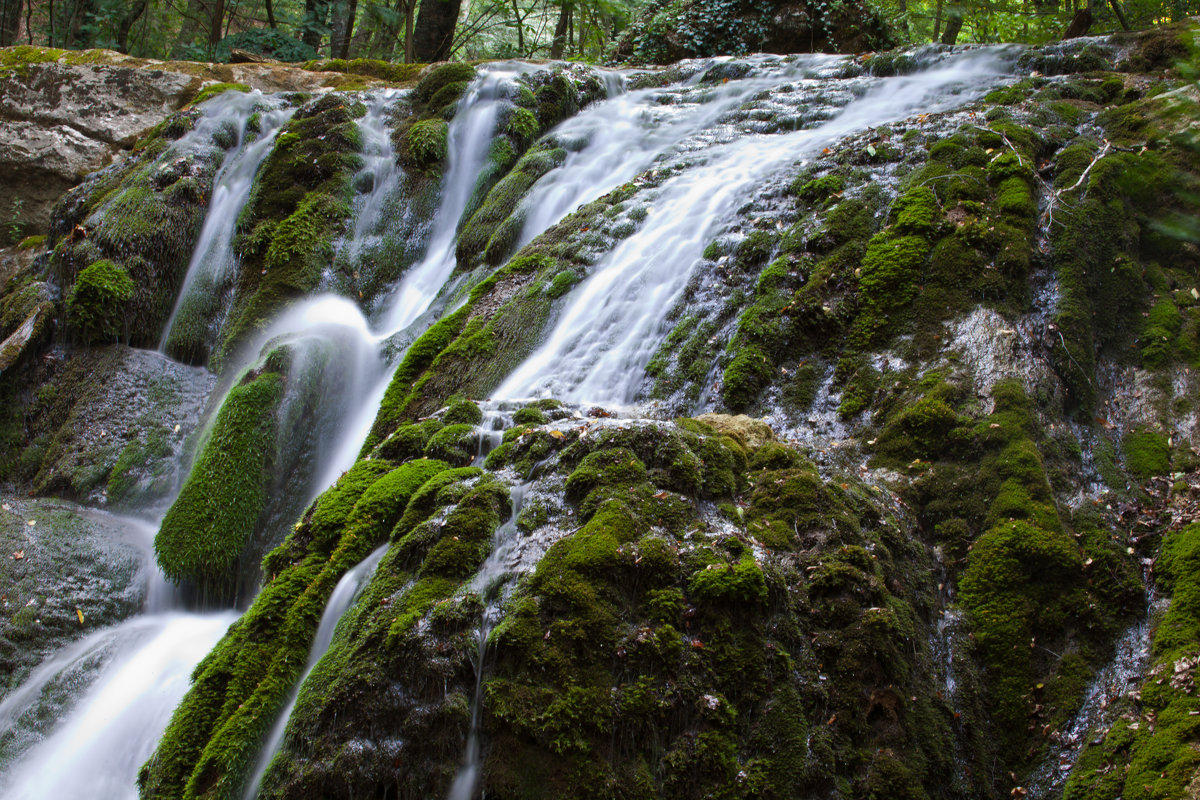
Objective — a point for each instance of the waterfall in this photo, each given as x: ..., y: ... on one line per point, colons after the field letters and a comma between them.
x: 138, y: 670
x: 468, y: 141
x: 489, y: 583
x: 613, y: 322
x: 610, y: 143
x: 344, y: 594
x: 379, y: 169
x: 212, y: 262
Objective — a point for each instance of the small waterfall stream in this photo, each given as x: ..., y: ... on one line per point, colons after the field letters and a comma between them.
x: 133, y: 674
x: 212, y: 259
x: 344, y: 594
x: 468, y: 141
x: 489, y: 582
x: 612, y: 324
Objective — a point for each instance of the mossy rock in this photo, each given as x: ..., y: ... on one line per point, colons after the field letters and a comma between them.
x: 98, y: 302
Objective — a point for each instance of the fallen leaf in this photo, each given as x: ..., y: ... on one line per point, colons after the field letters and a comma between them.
x: 19, y: 555
x: 32, y: 522
x: 79, y: 614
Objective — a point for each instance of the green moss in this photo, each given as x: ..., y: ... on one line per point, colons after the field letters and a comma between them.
x: 530, y: 415
x: 820, y: 191
x: 203, y: 535
x: 457, y: 444
x: 439, y: 76
x: 729, y: 583
x: 214, y: 89
x: 461, y: 411
x: 915, y: 212
x: 1158, y: 337
x: 1146, y: 453
x: 888, y: 282
x: 32, y: 242
x: 754, y: 250
x: 562, y: 283
x: 96, y: 307
x: 425, y: 143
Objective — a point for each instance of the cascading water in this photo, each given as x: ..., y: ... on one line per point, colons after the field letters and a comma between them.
x: 468, y: 140
x: 344, y: 595
x: 379, y: 168
x: 598, y: 348
x: 212, y: 259
x: 138, y: 672
x: 609, y: 143
x: 489, y: 583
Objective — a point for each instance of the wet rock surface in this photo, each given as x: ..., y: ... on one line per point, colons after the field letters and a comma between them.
x: 65, y: 571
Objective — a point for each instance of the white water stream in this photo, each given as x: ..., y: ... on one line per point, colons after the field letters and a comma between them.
x: 468, y: 141
x: 213, y: 258
x: 489, y: 583
x: 145, y: 666
x: 612, y: 324
x: 344, y: 594
x: 596, y: 351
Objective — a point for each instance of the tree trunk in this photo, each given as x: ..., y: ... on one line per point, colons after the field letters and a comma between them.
x: 215, y: 21
x: 270, y: 13
x: 408, y: 32
x: 1116, y: 7
x: 342, y: 27
x: 78, y: 36
x: 1080, y: 24
x: 520, y: 27
x: 126, y: 24
x: 937, y: 22
x: 954, y: 23
x: 434, y: 33
x: 10, y: 21
x: 560, y: 31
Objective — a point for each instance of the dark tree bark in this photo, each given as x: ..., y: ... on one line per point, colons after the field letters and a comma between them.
x: 434, y: 31
x: 937, y: 21
x: 954, y: 23
x: 190, y: 26
x: 79, y: 35
x: 135, y: 12
x: 1081, y: 23
x: 215, y: 21
x: 1116, y: 7
x: 342, y: 27
x: 10, y: 21
x: 270, y: 4
x: 560, y: 31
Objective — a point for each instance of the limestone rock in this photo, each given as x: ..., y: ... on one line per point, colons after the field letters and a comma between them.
x: 751, y: 433
x: 59, y: 122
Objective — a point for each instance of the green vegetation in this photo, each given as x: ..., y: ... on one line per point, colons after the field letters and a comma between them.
x: 98, y: 301
x: 203, y: 535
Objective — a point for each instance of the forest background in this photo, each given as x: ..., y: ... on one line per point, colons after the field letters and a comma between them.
x: 434, y: 30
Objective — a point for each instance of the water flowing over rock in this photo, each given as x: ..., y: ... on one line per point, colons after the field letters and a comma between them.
x: 764, y: 426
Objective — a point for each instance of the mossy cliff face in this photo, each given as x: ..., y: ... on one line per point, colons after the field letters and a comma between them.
x: 213, y: 739
x: 299, y: 203
x: 971, y: 335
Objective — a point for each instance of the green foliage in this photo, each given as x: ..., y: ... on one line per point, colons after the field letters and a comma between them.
x: 1146, y: 453
x: 97, y: 305
x: 204, y: 533
x: 214, y: 89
